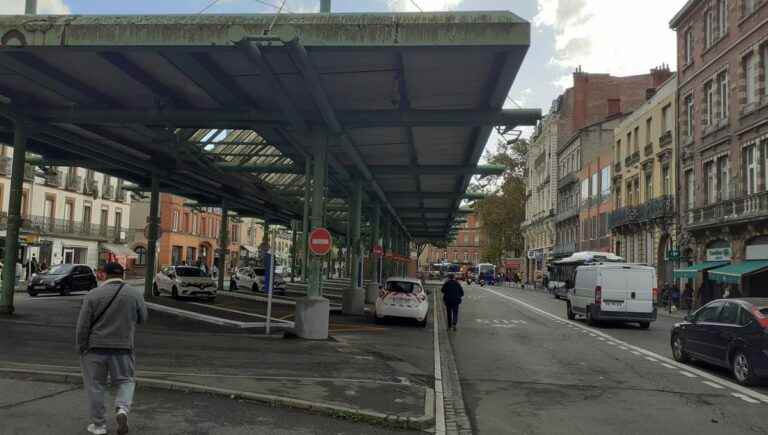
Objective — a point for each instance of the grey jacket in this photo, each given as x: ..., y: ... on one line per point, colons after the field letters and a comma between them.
x: 116, y: 328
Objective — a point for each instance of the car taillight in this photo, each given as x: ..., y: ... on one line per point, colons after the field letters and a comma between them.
x: 598, y: 295
x: 761, y: 319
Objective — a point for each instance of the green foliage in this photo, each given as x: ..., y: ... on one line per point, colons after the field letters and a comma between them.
x: 503, y: 211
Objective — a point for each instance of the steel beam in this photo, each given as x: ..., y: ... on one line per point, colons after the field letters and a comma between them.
x: 354, y: 226
x: 14, y: 219
x: 259, y: 168
x: 201, y: 70
x: 434, y: 210
x: 223, y: 246
x: 436, y: 195
x: 438, y: 170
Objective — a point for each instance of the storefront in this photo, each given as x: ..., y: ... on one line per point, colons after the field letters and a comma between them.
x: 748, y: 277
x: 718, y: 254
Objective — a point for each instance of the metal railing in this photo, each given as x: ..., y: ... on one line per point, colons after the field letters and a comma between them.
x: 46, y: 226
x: 73, y: 182
x: 567, y: 213
x: 564, y: 248
x: 5, y: 165
x: 648, y: 150
x: 744, y: 207
x: 656, y: 208
x: 121, y: 195
x: 567, y: 179
x: 632, y: 159
x: 53, y: 179
x: 108, y: 191
x: 665, y: 139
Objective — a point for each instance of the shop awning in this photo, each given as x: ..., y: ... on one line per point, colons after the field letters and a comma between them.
x: 119, y: 250
x: 692, y: 270
x: 732, y: 273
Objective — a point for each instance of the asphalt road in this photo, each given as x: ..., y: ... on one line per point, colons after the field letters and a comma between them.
x: 525, y: 369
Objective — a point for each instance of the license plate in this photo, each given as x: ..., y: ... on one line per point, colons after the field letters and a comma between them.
x: 39, y: 287
x: 613, y: 304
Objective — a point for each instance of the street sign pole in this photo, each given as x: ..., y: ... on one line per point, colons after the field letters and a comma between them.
x: 269, y: 273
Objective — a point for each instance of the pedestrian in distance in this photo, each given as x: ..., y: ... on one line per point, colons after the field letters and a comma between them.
x: 105, y: 340
x: 452, y: 295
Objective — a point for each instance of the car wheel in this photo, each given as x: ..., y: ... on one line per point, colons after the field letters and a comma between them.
x: 64, y: 290
x: 155, y: 290
x: 33, y: 294
x: 590, y: 320
x: 175, y: 292
x: 678, y: 350
x: 232, y: 285
x: 645, y: 325
x: 742, y: 368
x: 569, y: 311
x: 211, y: 299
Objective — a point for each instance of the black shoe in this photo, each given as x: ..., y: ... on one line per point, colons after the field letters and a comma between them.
x: 122, y: 422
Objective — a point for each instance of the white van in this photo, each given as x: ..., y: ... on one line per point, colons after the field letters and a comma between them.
x: 613, y: 291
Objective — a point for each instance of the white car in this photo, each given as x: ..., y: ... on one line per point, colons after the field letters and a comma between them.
x: 613, y: 292
x: 184, y: 281
x: 404, y: 298
x: 252, y: 278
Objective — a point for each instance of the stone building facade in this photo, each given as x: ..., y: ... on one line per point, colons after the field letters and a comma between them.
x: 722, y: 50
x: 645, y: 155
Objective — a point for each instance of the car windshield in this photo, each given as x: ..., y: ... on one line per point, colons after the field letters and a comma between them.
x: 190, y: 271
x: 401, y: 286
x: 61, y: 269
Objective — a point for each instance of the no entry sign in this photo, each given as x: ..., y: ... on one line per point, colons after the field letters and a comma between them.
x: 320, y: 241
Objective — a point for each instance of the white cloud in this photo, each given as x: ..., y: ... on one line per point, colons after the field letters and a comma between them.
x: 52, y: 7
x: 617, y: 37
x: 425, y: 5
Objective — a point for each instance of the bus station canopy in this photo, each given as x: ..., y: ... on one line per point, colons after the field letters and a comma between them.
x: 227, y: 109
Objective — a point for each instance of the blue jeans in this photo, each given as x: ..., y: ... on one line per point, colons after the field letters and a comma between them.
x: 120, y: 367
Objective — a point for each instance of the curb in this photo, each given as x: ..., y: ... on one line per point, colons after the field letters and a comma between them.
x: 342, y: 412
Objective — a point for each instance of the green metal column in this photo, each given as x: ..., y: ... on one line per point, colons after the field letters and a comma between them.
x: 265, y: 245
x: 14, y: 218
x: 315, y: 285
x: 153, y: 221
x: 223, y: 246
x: 387, y: 246
x: 356, y: 212
x: 294, y: 224
x: 375, y: 236
x: 305, y: 221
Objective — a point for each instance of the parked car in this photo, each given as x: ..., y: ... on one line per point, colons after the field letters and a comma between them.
x: 731, y: 333
x: 252, y: 278
x: 63, y: 279
x: 613, y: 292
x: 403, y: 298
x: 184, y: 281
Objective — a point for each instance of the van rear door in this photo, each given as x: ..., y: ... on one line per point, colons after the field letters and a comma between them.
x: 627, y: 289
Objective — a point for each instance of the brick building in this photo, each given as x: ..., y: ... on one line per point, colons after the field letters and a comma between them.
x: 722, y: 50
x: 464, y: 250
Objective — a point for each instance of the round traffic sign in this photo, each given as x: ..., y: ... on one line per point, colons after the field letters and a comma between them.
x: 320, y: 241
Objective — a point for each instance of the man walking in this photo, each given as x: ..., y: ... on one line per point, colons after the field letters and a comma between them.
x: 452, y: 294
x: 105, y: 331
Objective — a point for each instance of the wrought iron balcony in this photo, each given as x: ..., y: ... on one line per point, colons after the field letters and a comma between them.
x: 108, y: 191
x: 91, y: 187
x: 73, y: 183
x: 121, y: 195
x: 742, y: 208
x: 53, y: 179
x: 46, y: 226
x: 665, y: 139
x: 657, y: 208
x: 5, y: 165
x: 29, y: 172
x: 567, y: 213
x: 564, y: 249
x: 632, y: 159
x: 569, y: 178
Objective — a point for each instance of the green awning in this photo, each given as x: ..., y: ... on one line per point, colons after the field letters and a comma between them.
x: 732, y: 273
x: 692, y: 270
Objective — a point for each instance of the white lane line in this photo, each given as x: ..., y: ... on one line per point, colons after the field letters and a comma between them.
x: 634, y: 352
x: 713, y: 385
x: 439, y: 398
x: 670, y: 366
x: 244, y: 313
x: 623, y: 348
x: 601, y: 338
x: 611, y: 343
x: 745, y: 398
x: 651, y: 359
x: 689, y: 370
x: 684, y: 373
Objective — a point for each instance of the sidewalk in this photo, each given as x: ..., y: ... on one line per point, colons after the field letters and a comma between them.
x: 363, y: 377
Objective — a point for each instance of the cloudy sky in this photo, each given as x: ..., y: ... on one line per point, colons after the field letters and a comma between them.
x: 620, y: 37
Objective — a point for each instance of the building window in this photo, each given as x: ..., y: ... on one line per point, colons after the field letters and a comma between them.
x: 175, y: 221
x: 723, y: 95
x: 666, y: 118
x: 765, y: 68
x: 750, y: 77
x: 723, y: 179
x: 648, y: 186
x: 648, y: 124
x: 141, y: 256
x: 629, y: 143
x: 605, y: 182
x: 176, y: 255
x: 637, y: 139
x: 191, y: 255
x: 689, y: 189
x: 747, y: 7
x: 666, y: 180
x: 709, y: 27
x: 618, y: 151
x: 595, y: 182
x: 710, y: 181
x: 689, y: 111
x: 750, y: 166
x: 584, y: 190
x: 628, y: 201
x: 617, y: 198
x: 709, y: 103
x: 688, y: 46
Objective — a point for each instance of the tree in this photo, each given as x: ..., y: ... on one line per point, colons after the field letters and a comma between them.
x: 502, y: 213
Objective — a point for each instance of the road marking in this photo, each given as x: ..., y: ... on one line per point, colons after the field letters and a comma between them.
x: 670, y: 366
x: 745, y: 398
x: 244, y: 313
x: 601, y: 338
x: 636, y: 353
x: 651, y: 359
x: 689, y: 370
x: 611, y: 343
x: 623, y: 348
x: 439, y: 398
x: 713, y: 385
x: 684, y: 373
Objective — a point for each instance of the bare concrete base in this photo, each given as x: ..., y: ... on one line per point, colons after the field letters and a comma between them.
x: 371, y: 292
x: 311, y: 320
x: 353, y: 301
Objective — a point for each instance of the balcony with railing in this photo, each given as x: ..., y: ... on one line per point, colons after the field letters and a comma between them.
x: 567, y: 179
x: 121, y: 195
x: 47, y: 226
x: 108, y: 191
x: 53, y: 179
x: 665, y: 139
x: 5, y: 165
x: 632, y: 159
x: 563, y: 249
x: 29, y: 172
x: 656, y: 208
x: 91, y: 187
x: 741, y: 208
x: 566, y: 213
x: 73, y: 182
